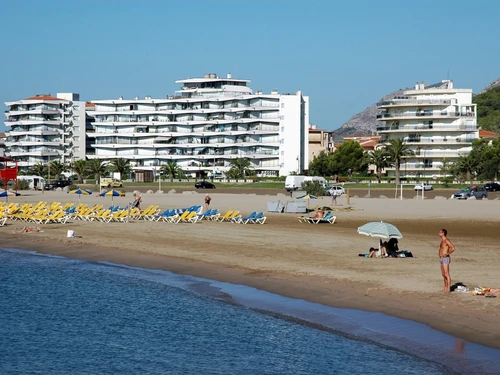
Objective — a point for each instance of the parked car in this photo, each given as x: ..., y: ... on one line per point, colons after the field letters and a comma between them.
x: 108, y: 182
x: 423, y: 185
x: 339, y: 189
x: 471, y: 191
x: 492, y: 186
x: 57, y: 184
x: 204, y: 185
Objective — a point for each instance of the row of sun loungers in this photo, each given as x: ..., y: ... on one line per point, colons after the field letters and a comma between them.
x: 43, y: 213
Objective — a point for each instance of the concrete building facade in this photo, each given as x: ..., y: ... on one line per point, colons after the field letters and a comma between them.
x: 208, y: 123
x: 44, y: 128
x: 438, y: 122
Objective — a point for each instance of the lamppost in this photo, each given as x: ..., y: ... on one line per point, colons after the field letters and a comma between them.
x: 213, y: 172
x: 159, y: 176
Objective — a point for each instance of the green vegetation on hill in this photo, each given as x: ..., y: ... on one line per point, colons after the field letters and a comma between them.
x: 488, y: 109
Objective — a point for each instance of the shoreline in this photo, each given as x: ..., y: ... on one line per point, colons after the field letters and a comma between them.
x: 277, y: 257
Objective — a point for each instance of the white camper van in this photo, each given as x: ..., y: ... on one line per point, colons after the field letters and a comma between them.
x: 35, y: 182
x: 295, y: 182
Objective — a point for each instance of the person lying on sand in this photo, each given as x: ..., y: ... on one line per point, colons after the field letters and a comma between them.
x: 27, y: 230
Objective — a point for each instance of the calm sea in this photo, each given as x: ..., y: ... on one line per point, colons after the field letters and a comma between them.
x: 64, y: 316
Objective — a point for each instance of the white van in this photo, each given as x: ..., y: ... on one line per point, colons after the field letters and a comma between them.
x: 321, y: 180
x: 295, y: 182
x: 35, y: 182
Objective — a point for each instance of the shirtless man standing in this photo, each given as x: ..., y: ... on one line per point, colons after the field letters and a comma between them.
x: 445, y: 249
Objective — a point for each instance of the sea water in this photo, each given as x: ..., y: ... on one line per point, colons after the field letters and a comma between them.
x: 64, y: 316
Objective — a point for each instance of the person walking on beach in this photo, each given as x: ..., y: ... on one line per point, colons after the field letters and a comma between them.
x: 207, y: 201
x: 137, y: 201
x: 334, y: 197
x: 446, y: 248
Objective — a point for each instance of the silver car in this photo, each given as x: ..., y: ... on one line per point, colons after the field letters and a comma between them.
x: 472, y: 191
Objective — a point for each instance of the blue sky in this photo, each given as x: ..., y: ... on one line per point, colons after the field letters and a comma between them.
x: 343, y: 55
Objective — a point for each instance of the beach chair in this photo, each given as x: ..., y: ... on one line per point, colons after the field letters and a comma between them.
x: 215, y: 213
x: 244, y: 220
x: 192, y: 218
x: 178, y: 218
x: 223, y: 217
x: 3, y: 219
x: 259, y: 218
x: 208, y: 213
x: 328, y: 218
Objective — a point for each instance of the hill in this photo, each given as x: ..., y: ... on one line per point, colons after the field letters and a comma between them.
x: 363, y: 123
x: 488, y: 107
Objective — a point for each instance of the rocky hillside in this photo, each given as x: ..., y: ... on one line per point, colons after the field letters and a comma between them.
x: 492, y: 85
x: 365, y: 122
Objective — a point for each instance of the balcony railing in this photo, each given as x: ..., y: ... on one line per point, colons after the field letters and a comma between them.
x: 428, y: 127
x: 416, y: 102
x: 425, y: 114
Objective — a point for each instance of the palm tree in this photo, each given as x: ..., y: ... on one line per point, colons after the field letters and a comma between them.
x: 80, y: 167
x: 240, y: 168
x: 397, y: 150
x: 56, y: 168
x: 97, y: 167
x: 172, y: 169
x: 39, y: 169
x: 466, y: 166
x: 119, y: 165
x: 380, y: 159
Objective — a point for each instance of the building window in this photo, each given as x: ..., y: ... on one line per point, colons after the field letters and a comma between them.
x: 282, y: 129
x: 282, y: 105
x: 282, y: 141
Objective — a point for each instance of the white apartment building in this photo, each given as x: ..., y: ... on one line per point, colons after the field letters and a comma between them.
x: 438, y: 121
x: 44, y: 128
x: 209, y: 122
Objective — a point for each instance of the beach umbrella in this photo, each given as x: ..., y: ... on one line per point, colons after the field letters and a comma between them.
x: 8, y: 194
x: 112, y: 193
x: 307, y: 197
x: 380, y: 229
x: 80, y: 192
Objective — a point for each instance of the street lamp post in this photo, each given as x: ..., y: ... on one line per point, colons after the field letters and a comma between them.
x: 159, y: 176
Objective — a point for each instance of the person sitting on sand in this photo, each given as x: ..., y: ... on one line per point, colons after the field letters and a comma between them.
x: 383, y: 250
x: 392, y: 248
x: 27, y: 230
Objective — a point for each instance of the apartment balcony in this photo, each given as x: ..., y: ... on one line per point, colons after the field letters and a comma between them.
x: 440, y: 141
x: 413, y: 102
x: 27, y: 122
x: 419, y: 115
x: 35, y: 111
x: 17, y: 152
x: 40, y: 132
x: 429, y: 127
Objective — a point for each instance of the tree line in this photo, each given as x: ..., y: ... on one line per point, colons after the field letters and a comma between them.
x: 482, y: 163
x: 239, y: 168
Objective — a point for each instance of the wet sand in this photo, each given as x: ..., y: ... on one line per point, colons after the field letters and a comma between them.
x: 318, y: 263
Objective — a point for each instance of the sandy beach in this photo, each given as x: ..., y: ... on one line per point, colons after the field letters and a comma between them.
x: 318, y: 263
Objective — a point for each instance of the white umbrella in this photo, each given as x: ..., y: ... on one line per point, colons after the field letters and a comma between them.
x: 380, y: 229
